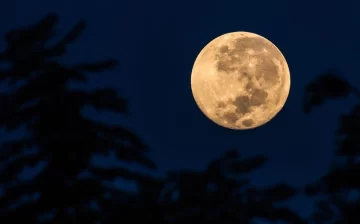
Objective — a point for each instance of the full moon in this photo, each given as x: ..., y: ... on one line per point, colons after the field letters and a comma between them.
x: 240, y: 80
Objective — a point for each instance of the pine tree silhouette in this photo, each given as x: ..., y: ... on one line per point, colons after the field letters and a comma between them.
x: 58, y: 133
x: 339, y: 188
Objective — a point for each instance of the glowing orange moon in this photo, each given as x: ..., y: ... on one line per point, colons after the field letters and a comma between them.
x: 240, y: 80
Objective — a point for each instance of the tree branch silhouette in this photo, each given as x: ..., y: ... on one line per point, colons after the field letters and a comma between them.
x: 57, y: 131
x: 340, y: 186
x: 221, y: 193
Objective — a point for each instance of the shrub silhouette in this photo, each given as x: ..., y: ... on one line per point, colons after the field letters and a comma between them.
x: 57, y: 132
x: 339, y: 189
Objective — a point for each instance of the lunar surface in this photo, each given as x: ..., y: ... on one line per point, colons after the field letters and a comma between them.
x: 240, y: 80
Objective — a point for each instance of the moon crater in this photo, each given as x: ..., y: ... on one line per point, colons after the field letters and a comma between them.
x: 240, y: 80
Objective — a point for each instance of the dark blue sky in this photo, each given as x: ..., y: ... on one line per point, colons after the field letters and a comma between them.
x: 157, y: 42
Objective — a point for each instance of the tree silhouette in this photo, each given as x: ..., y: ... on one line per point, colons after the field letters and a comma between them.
x: 58, y: 133
x: 219, y: 194
x: 339, y: 189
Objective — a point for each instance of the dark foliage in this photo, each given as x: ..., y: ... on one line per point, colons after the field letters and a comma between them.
x: 219, y: 194
x: 57, y: 132
x: 222, y: 194
x: 340, y: 187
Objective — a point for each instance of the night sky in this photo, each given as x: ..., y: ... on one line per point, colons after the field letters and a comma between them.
x: 156, y: 43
